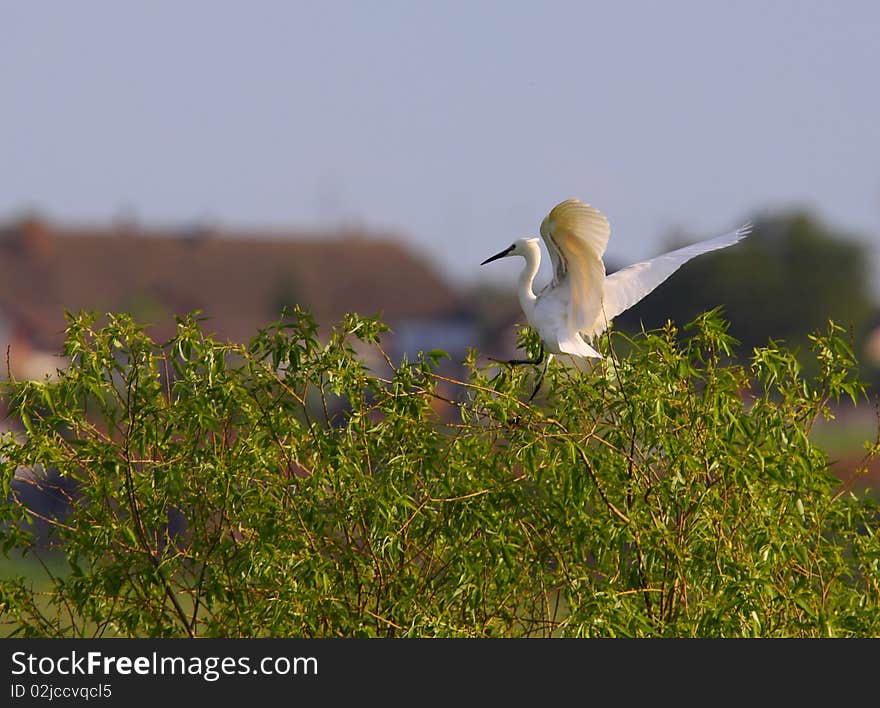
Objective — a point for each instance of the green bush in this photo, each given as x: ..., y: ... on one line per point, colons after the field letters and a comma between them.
x: 286, y: 489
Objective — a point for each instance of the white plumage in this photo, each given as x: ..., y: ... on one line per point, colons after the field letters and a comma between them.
x: 580, y: 301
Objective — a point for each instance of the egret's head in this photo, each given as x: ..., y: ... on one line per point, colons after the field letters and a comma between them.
x: 520, y: 247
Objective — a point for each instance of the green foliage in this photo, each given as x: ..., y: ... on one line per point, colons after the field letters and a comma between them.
x: 284, y: 489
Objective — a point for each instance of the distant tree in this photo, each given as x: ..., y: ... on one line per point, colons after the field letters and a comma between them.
x: 789, y: 277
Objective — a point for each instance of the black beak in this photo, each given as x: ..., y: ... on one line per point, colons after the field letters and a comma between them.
x: 503, y: 253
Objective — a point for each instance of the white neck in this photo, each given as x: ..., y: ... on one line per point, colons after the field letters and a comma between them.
x: 527, y: 277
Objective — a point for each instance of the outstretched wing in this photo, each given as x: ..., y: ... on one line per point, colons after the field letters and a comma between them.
x: 576, y: 236
x: 627, y: 286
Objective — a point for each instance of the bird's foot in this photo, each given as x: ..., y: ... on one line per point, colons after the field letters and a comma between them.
x: 516, y: 362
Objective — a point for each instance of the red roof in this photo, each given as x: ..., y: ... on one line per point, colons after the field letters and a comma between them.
x: 239, y: 280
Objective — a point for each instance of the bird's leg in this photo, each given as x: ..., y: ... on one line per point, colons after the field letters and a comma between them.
x: 540, y: 378
x: 519, y: 362
x: 537, y: 360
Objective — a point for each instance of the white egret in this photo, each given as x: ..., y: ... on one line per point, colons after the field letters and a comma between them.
x: 580, y: 302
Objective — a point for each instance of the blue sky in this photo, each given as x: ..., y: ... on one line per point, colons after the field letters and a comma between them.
x: 454, y: 124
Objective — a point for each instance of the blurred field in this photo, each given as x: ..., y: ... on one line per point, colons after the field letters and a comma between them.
x: 845, y: 438
x: 34, y: 569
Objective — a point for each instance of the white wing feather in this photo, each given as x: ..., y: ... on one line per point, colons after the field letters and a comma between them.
x: 627, y: 286
x: 576, y: 236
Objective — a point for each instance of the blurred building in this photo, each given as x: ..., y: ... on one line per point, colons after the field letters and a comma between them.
x: 239, y: 280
